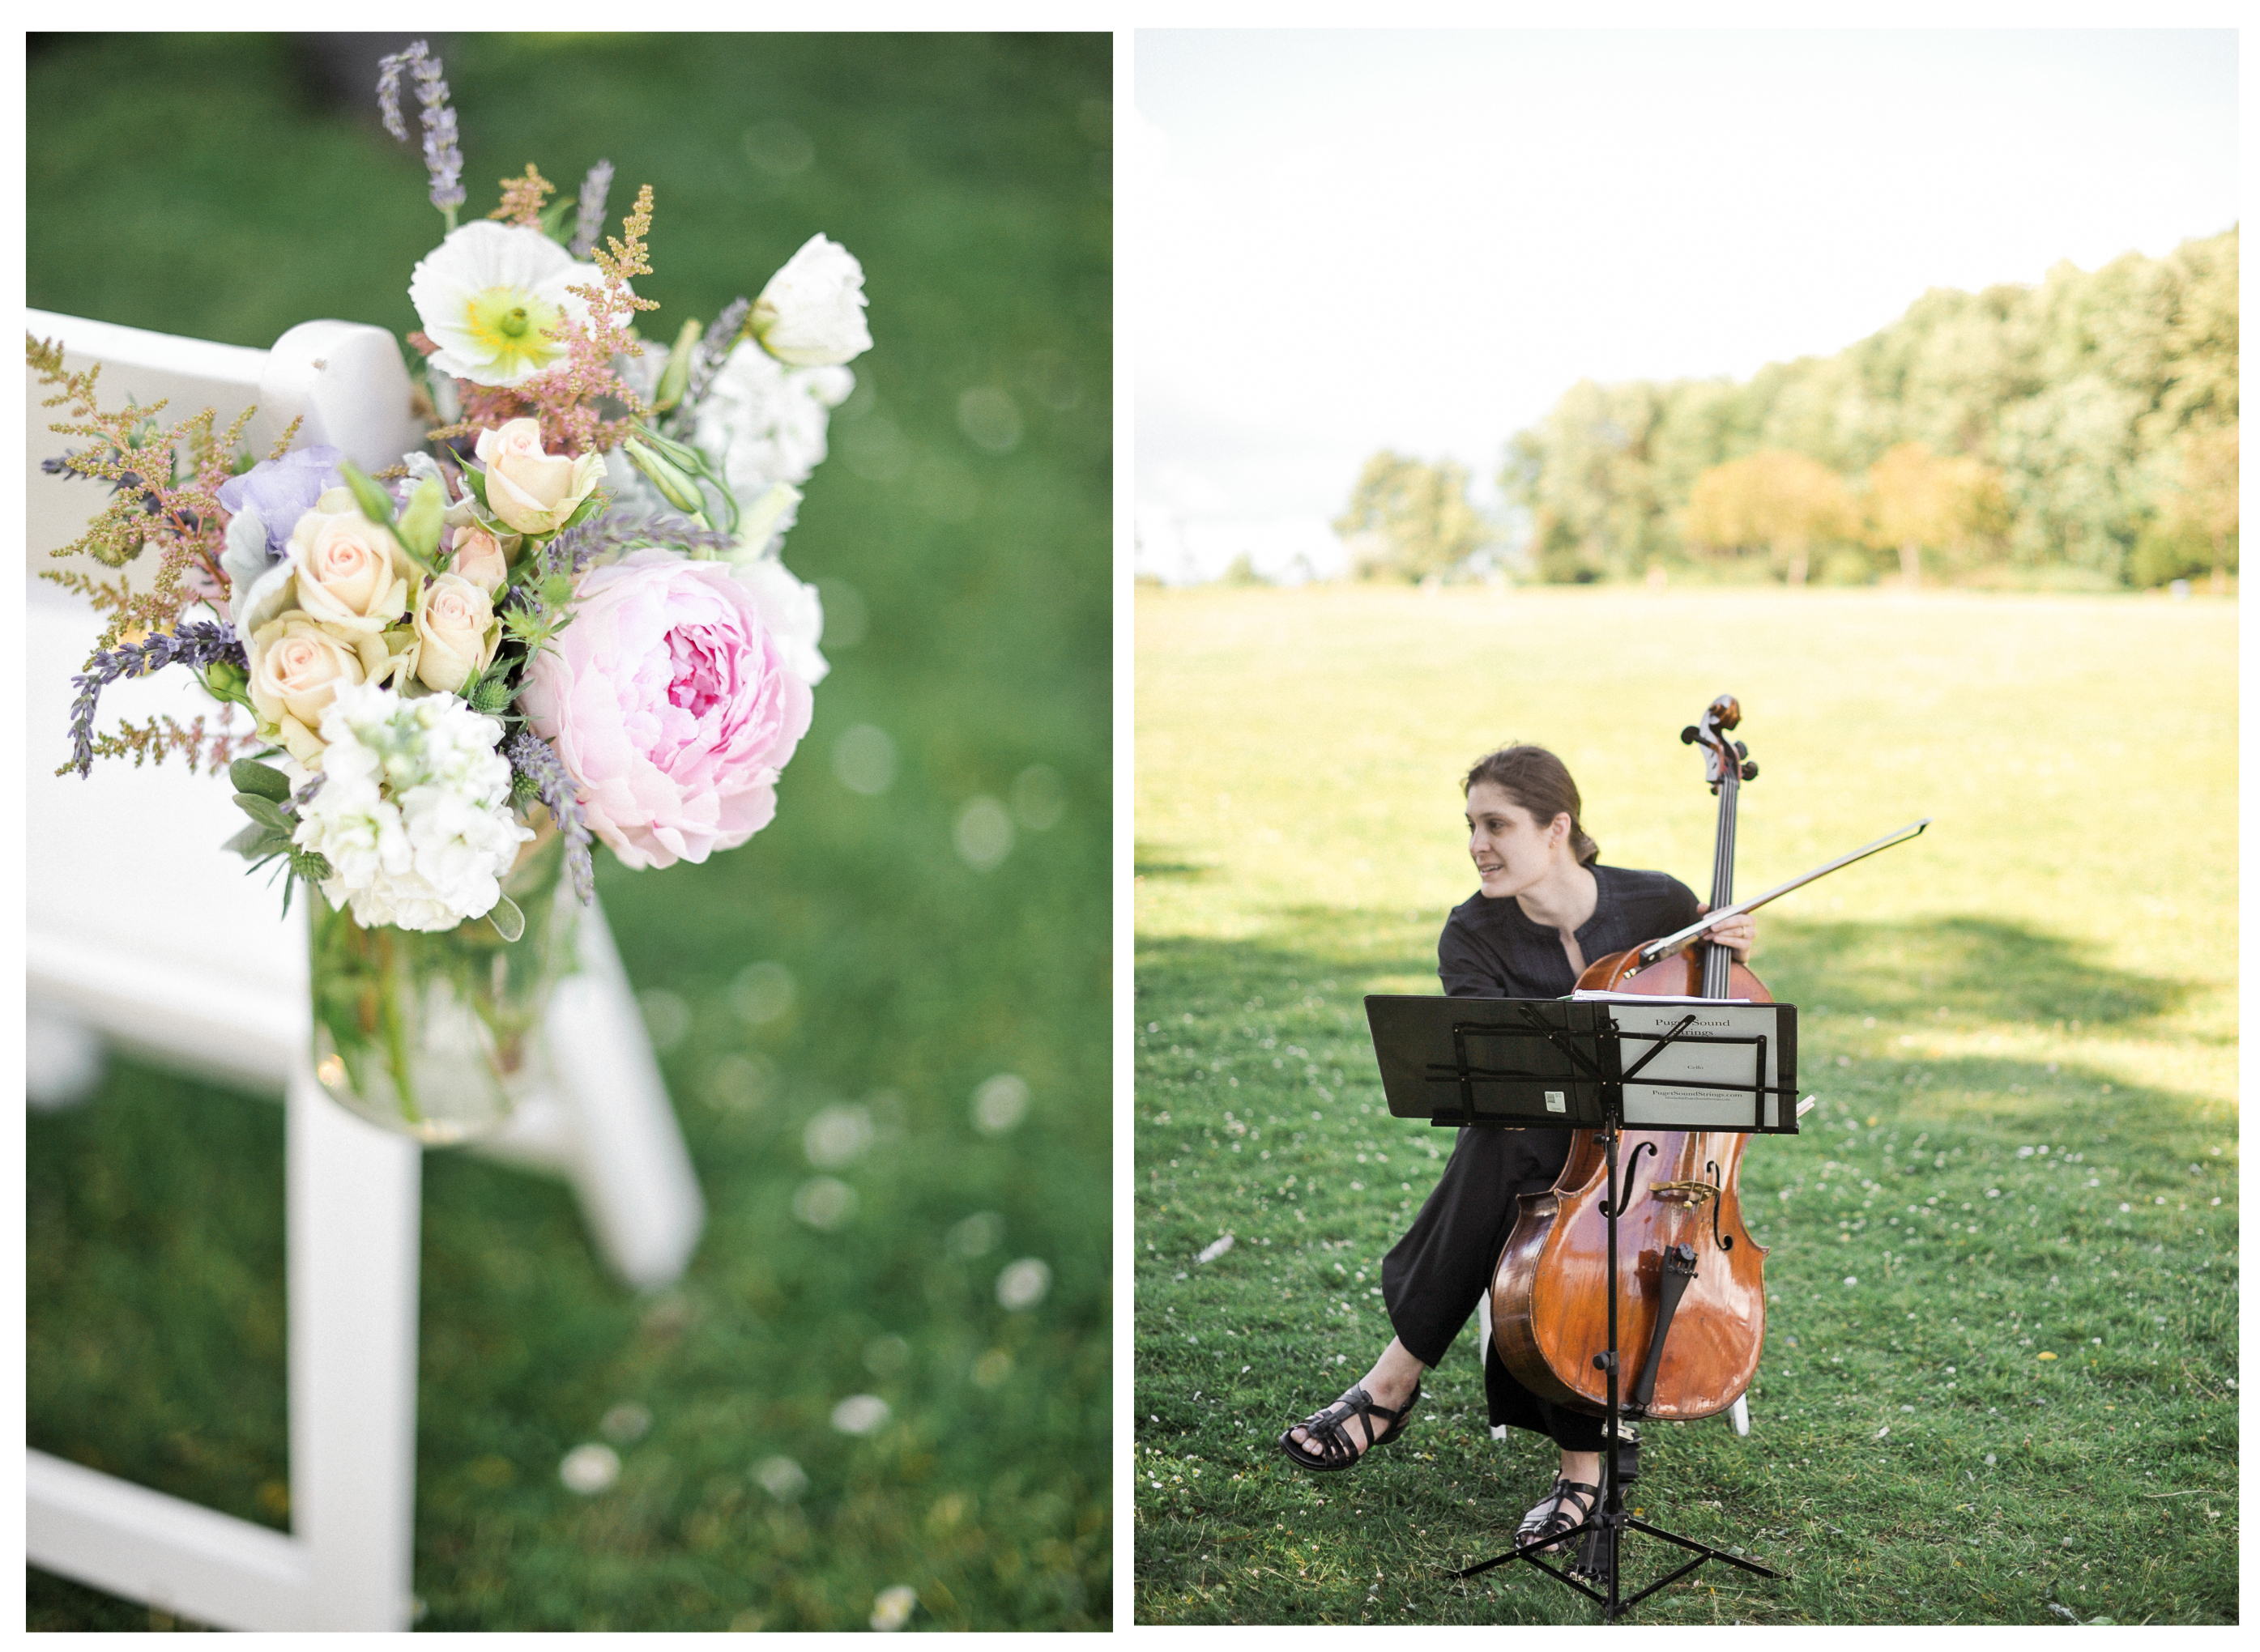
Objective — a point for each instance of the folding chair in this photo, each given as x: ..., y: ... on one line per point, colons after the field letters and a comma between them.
x: 219, y: 987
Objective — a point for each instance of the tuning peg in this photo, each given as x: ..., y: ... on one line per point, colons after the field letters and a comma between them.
x: 1689, y: 735
x: 1741, y: 751
x: 1749, y: 771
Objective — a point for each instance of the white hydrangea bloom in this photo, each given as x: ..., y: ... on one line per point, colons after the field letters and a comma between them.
x: 414, y: 813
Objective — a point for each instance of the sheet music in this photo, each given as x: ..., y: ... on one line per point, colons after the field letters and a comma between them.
x: 1661, y: 1092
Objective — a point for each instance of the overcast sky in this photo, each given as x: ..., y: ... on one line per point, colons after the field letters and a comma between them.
x: 1349, y: 240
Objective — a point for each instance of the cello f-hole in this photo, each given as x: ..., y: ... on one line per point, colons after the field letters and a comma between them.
x: 1725, y: 1242
x: 1621, y: 1193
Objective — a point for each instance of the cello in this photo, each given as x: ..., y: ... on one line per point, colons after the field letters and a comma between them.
x: 1692, y: 1305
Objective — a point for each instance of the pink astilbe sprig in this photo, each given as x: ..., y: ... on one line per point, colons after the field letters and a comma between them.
x: 521, y: 199
x: 164, y: 496
x: 564, y: 399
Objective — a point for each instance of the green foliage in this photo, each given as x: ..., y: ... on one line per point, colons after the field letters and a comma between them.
x: 1409, y: 520
x: 418, y: 527
x: 1780, y: 502
x: 2080, y: 392
x: 259, y: 779
x: 970, y: 175
x: 2010, y: 980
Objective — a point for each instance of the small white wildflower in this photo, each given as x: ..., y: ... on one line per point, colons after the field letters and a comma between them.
x: 893, y: 1607
x: 1024, y: 1284
x: 414, y: 811
x: 781, y: 1478
x: 590, y: 1469
x: 837, y: 1136
x: 860, y: 1414
x: 1000, y: 1103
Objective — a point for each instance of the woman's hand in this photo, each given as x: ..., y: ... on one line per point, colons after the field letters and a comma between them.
x: 1737, y: 934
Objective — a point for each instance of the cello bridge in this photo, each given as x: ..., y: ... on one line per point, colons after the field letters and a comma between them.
x: 1688, y: 1194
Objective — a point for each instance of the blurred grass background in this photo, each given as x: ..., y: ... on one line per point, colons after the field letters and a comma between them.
x: 850, y: 956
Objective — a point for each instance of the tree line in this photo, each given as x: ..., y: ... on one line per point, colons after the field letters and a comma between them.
x: 2084, y: 429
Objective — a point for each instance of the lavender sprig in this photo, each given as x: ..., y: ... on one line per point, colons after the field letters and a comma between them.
x: 576, y: 547
x: 532, y: 757
x: 713, y: 350
x: 443, y: 155
x: 388, y: 89
x: 590, y: 224
x: 196, y: 644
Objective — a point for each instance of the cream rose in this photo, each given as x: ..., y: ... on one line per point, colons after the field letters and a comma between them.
x: 532, y: 491
x: 351, y: 574
x: 482, y: 559
x: 457, y: 632
x: 296, y: 667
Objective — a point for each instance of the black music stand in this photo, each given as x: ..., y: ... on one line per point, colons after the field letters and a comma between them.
x: 1561, y: 1062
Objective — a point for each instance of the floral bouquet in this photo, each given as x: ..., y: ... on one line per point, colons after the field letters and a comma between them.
x: 564, y: 618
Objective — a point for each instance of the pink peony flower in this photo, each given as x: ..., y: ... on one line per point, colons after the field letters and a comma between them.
x: 670, y: 704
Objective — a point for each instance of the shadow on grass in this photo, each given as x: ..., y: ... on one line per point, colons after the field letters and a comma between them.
x: 1965, y: 1323
x: 1151, y: 862
x: 1981, y: 969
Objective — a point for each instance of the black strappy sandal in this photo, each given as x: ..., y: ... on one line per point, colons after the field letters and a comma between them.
x: 1551, y: 1520
x: 1336, y: 1447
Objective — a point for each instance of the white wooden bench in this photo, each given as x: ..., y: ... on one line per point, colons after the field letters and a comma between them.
x: 139, y: 930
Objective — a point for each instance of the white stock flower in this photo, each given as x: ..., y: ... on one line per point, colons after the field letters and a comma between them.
x: 492, y: 296
x: 414, y: 813
x: 765, y: 423
x: 811, y: 315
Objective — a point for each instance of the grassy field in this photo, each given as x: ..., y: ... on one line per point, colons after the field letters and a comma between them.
x: 1999, y: 1381
x: 204, y: 186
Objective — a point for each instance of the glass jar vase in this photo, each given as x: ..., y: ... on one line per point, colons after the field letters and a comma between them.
x: 434, y: 1033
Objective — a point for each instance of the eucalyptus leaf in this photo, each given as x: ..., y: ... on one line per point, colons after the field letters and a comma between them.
x: 263, y: 810
x: 509, y: 921
x: 259, y: 779
x: 252, y: 843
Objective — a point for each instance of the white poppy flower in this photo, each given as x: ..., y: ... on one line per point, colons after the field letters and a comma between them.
x: 492, y: 296
x: 811, y: 315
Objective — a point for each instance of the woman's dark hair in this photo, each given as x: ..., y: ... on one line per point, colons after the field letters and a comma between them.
x: 1538, y: 781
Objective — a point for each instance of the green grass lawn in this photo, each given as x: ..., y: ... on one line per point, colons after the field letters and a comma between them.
x: 2022, y: 1029
x: 197, y: 186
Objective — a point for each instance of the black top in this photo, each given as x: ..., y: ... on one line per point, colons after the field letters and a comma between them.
x: 1489, y: 950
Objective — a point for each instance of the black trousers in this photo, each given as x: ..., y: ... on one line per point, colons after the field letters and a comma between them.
x: 1437, y: 1273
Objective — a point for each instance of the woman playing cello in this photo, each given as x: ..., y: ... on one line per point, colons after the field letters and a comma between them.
x: 1545, y: 909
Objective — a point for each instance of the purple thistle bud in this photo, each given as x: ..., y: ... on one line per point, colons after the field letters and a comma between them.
x: 590, y: 224
x: 535, y: 759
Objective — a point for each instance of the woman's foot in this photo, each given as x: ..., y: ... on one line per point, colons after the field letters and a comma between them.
x: 1341, y: 1435
x: 1560, y: 1511
x: 1391, y: 1388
